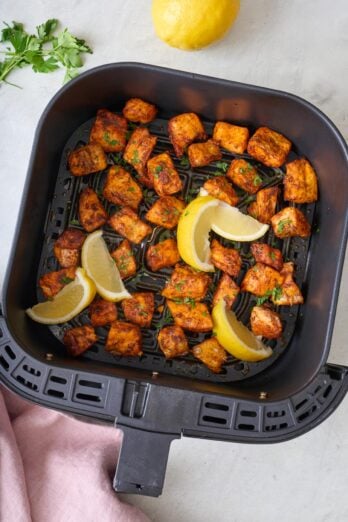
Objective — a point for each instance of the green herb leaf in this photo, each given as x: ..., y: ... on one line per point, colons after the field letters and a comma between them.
x: 65, y: 280
x: 282, y: 223
x: 257, y: 180
x: 222, y: 165
x: 184, y: 162
x: 185, y: 300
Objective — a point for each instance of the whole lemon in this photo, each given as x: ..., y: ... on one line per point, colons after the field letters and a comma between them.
x: 193, y: 24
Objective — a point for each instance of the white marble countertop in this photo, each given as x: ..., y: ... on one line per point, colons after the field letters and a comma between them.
x: 300, y: 47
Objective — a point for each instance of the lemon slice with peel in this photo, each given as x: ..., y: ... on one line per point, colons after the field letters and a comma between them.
x: 193, y: 232
x: 231, y: 223
x: 69, y: 302
x: 235, y: 337
x: 102, y: 269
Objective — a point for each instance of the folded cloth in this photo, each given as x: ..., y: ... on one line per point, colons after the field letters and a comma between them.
x: 54, y: 468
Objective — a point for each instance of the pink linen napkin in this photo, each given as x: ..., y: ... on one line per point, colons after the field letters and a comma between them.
x: 57, y: 469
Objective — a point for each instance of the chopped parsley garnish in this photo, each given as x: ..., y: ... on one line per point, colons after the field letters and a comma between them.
x: 275, y: 294
x: 185, y: 300
x: 65, y: 280
x: 272, y: 255
x: 131, y: 189
x: 282, y: 223
x: 221, y: 165
x: 245, y: 170
x: 184, y: 162
x: 135, y: 158
x: 257, y: 180
x: 249, y: 199
x: 74, y: 222
x: 107, y: 138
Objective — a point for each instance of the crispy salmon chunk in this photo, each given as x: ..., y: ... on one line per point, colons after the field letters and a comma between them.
x: 290, y: 292
x: 210, y: 353
x: 201, y: 154
x: 121, y: 189
x: 102, y: 312
x: 92, y: 214
x: 138, y: 151
x: 127, y: 223
x: 300, y: 182
x: 226, y: 259
x: 221, y: 189
x: 244, y: 175
x: 139, y: 308
x: 166, y: 179
x: 265, y: 322
x: 264, y: 208
x: 231, y: 137
x: 86, y: 160
x: 185, y: 129
x: 289, y: 222
x: 187, y: 282
x: 166, y: 211
x: 269, y: 147
x: 162, y: 255
x: 139, y: 111
x: 109, y: 131
x: 79, y: 339
x: 172, y: 341
x: 124, y: 339
x: 53, y: 282
x: 68, y: 246
x: 261, y: 279
x: 124, y: 259
x: 194, y: 317
x: 226, y: 289
x: 267, y: 255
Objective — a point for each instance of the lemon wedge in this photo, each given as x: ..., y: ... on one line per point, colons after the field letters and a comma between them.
x: 231, y: 223
x: 69, y: 302
x: 193, y: 232
x: 236, y: 338
x: 102, y: 269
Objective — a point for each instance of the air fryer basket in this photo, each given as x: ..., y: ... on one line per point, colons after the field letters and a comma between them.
x: 151, y: 399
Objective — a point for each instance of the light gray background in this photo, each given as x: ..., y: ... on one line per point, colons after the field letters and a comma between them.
x: 300, y: 46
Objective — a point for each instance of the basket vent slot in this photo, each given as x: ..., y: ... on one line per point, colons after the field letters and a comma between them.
x: 10, y: 352
x: 27, y: 383
x: 1, y: 334
x: 299, y: 405
x: 87, y: 397
x: 90, y: 384
x: 278, y: 417
x: 213, y: 413
x: 55, y: 393
x: 214, y: 420
x: 307, y: 413
x: 58, y: 385
x: 4, y: 363
x: 31, y: 370
x: 246, y: 427
x: 57, y: 379
x: 88, y: 391
x: 248, y: 417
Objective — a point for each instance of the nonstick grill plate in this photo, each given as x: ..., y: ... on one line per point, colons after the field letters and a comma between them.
x: 62, y: 212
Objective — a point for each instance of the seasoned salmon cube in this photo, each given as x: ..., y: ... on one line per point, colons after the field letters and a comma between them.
x: 124, y: 339
x: 211, y: 353
x: 290, y: 293
x: 261, y: 279
x: 244, y: 175
x: 221, y: 189
x: 265, y: 322
x: 166, y: 211
x: 192, y: 316
x: 92, y: 214
x: 109, y: 131
x: 267, y: 255
x: 166, y: 179
x: 86, y: 160
x: 201, y: 154
x: 125, y: 259
x: 139, y: 111
x: 162, y: 255
x: 231, y: 137
x: 121, y: 189
x: 185, y: 129
x: 289, y: 222
x: 79, y: 339
x: 53, y: 282
x: 300, y: 182
x: 102, y: 312
x: 226, y: 289
x: 187, y: 282
x: 138, y: 151
x: 226, y: 259
x: 264, y: 208
x: 269, y: 147
x: 172, y: 341
x: 127, y: 223
x: 139, y: 308
x: 68, y: 246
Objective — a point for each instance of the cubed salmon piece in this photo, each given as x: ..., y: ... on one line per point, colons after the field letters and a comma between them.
x: 125, y: 259
x: 300, y: 182
x: 166, y: 212
x: 211, y: 353
x: 226, y: 289
x: 162, y: 255
x: 86, y: 160
x: 92, y: 214
x: 121, y: 189
x: 139, y: 308
x: 184, y: 129
x: 264, y: 208
x: 265, y: 322
x: 68, y: 246
x: 138, y: 151
x: 289, y: 222
x: 226, y: 259
x: 79, y: 339
x: 124, y: 339
x: 269, y: 147
x: 192, y: 316
x: 201, y: 154
x: 139, y: 111
x: 53, y: 282
x: 172, y: 341
x: 267, y: 255
x: 289, y: 294
x: 161, y: 170
x: 102, y: 312
x: 109, y: 131
x: 261, y: 280
x: 244, y: 175
x: 127, y: 223
x: 221, y: 189
x: 231, y: 137
x: 187, y: 282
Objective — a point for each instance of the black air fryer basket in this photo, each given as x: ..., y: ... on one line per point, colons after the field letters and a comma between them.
x: 151, y: 399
